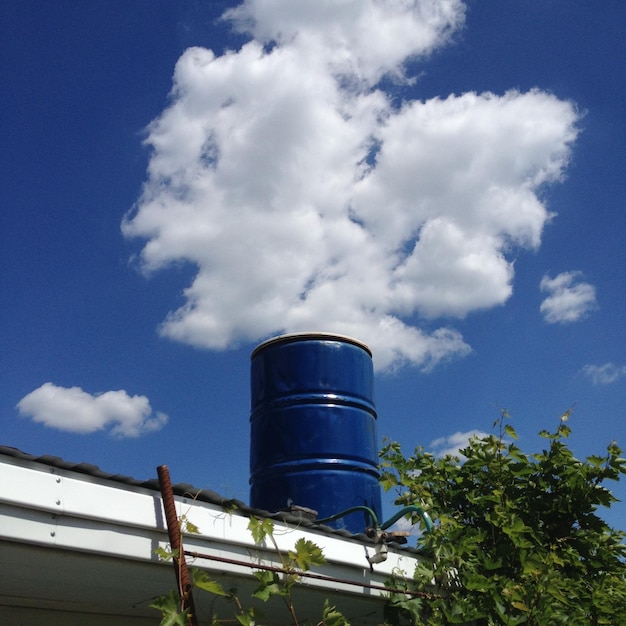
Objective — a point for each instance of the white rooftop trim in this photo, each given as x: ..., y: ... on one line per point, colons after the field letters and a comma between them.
x: 54, y: 509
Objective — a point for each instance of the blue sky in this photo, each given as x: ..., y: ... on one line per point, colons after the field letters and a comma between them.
x: 446, y: 185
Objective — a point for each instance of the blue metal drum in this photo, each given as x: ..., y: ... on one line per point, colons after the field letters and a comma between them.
x: 313, y: 427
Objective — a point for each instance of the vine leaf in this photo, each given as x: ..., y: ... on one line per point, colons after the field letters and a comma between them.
x: 203, y: 581
x: 260, y: 529
x: 332, y: 617
x: 306, y: 554
x: 169, y: 605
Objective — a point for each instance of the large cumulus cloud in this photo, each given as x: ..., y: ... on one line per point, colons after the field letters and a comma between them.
x: 309, y: 200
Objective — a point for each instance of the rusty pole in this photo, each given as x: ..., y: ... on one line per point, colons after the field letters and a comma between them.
x: 176, y: 543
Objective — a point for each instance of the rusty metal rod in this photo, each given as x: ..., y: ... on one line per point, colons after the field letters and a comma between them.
x: 330, y: 579
x: 176, y: 543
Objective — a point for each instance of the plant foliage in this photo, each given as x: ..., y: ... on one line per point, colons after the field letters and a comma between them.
x: 171, y: 613
x: 518, y: 538
x: 271, y: 582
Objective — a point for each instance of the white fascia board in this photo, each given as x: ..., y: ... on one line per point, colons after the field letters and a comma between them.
x: 63, y: 492
x: 59, y: 508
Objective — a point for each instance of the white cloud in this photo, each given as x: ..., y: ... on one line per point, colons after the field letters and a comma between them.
x: 570, y: 299
x: 604, y: 374
x: 453, y: 443
x: 309, y: 201
x: 362, y: 38
x: 74, y: 410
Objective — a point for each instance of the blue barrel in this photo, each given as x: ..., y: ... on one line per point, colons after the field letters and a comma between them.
x: 313, y: 427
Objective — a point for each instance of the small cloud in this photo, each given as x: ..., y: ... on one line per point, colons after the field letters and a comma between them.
x: 604, y: 374
x: 570, y: 298
x: 74, y: 410
x: 453, y: 443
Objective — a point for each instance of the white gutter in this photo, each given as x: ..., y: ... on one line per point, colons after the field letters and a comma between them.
x: 44, y: 505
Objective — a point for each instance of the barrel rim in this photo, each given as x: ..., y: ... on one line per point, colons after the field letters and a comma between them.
x: 305, y: 336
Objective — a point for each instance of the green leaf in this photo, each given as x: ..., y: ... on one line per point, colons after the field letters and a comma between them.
x: 596, y: 461
x: 388, y: 481
x: 490, y: 564
x: 189, y: 527
x: 477, y: 582
x: 203, y: 581
x: 166, y: 555
x: 332, y: 617
x: 510, y: 431
x: 306, y: 554
x: 171, y: 613
x: 247, y: 619
x: 269, y: 585
x: 260, y: 528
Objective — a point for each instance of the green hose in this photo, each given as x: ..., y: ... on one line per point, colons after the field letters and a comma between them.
x: 413, y: 508
x: 409, y: 509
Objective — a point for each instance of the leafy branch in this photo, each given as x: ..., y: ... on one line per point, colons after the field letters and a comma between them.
x: 520, y: 533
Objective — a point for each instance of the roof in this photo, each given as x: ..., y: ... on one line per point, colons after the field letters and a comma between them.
x: 77, y: 540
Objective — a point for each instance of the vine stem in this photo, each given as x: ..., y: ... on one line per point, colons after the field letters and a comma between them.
x: 287, y: 598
